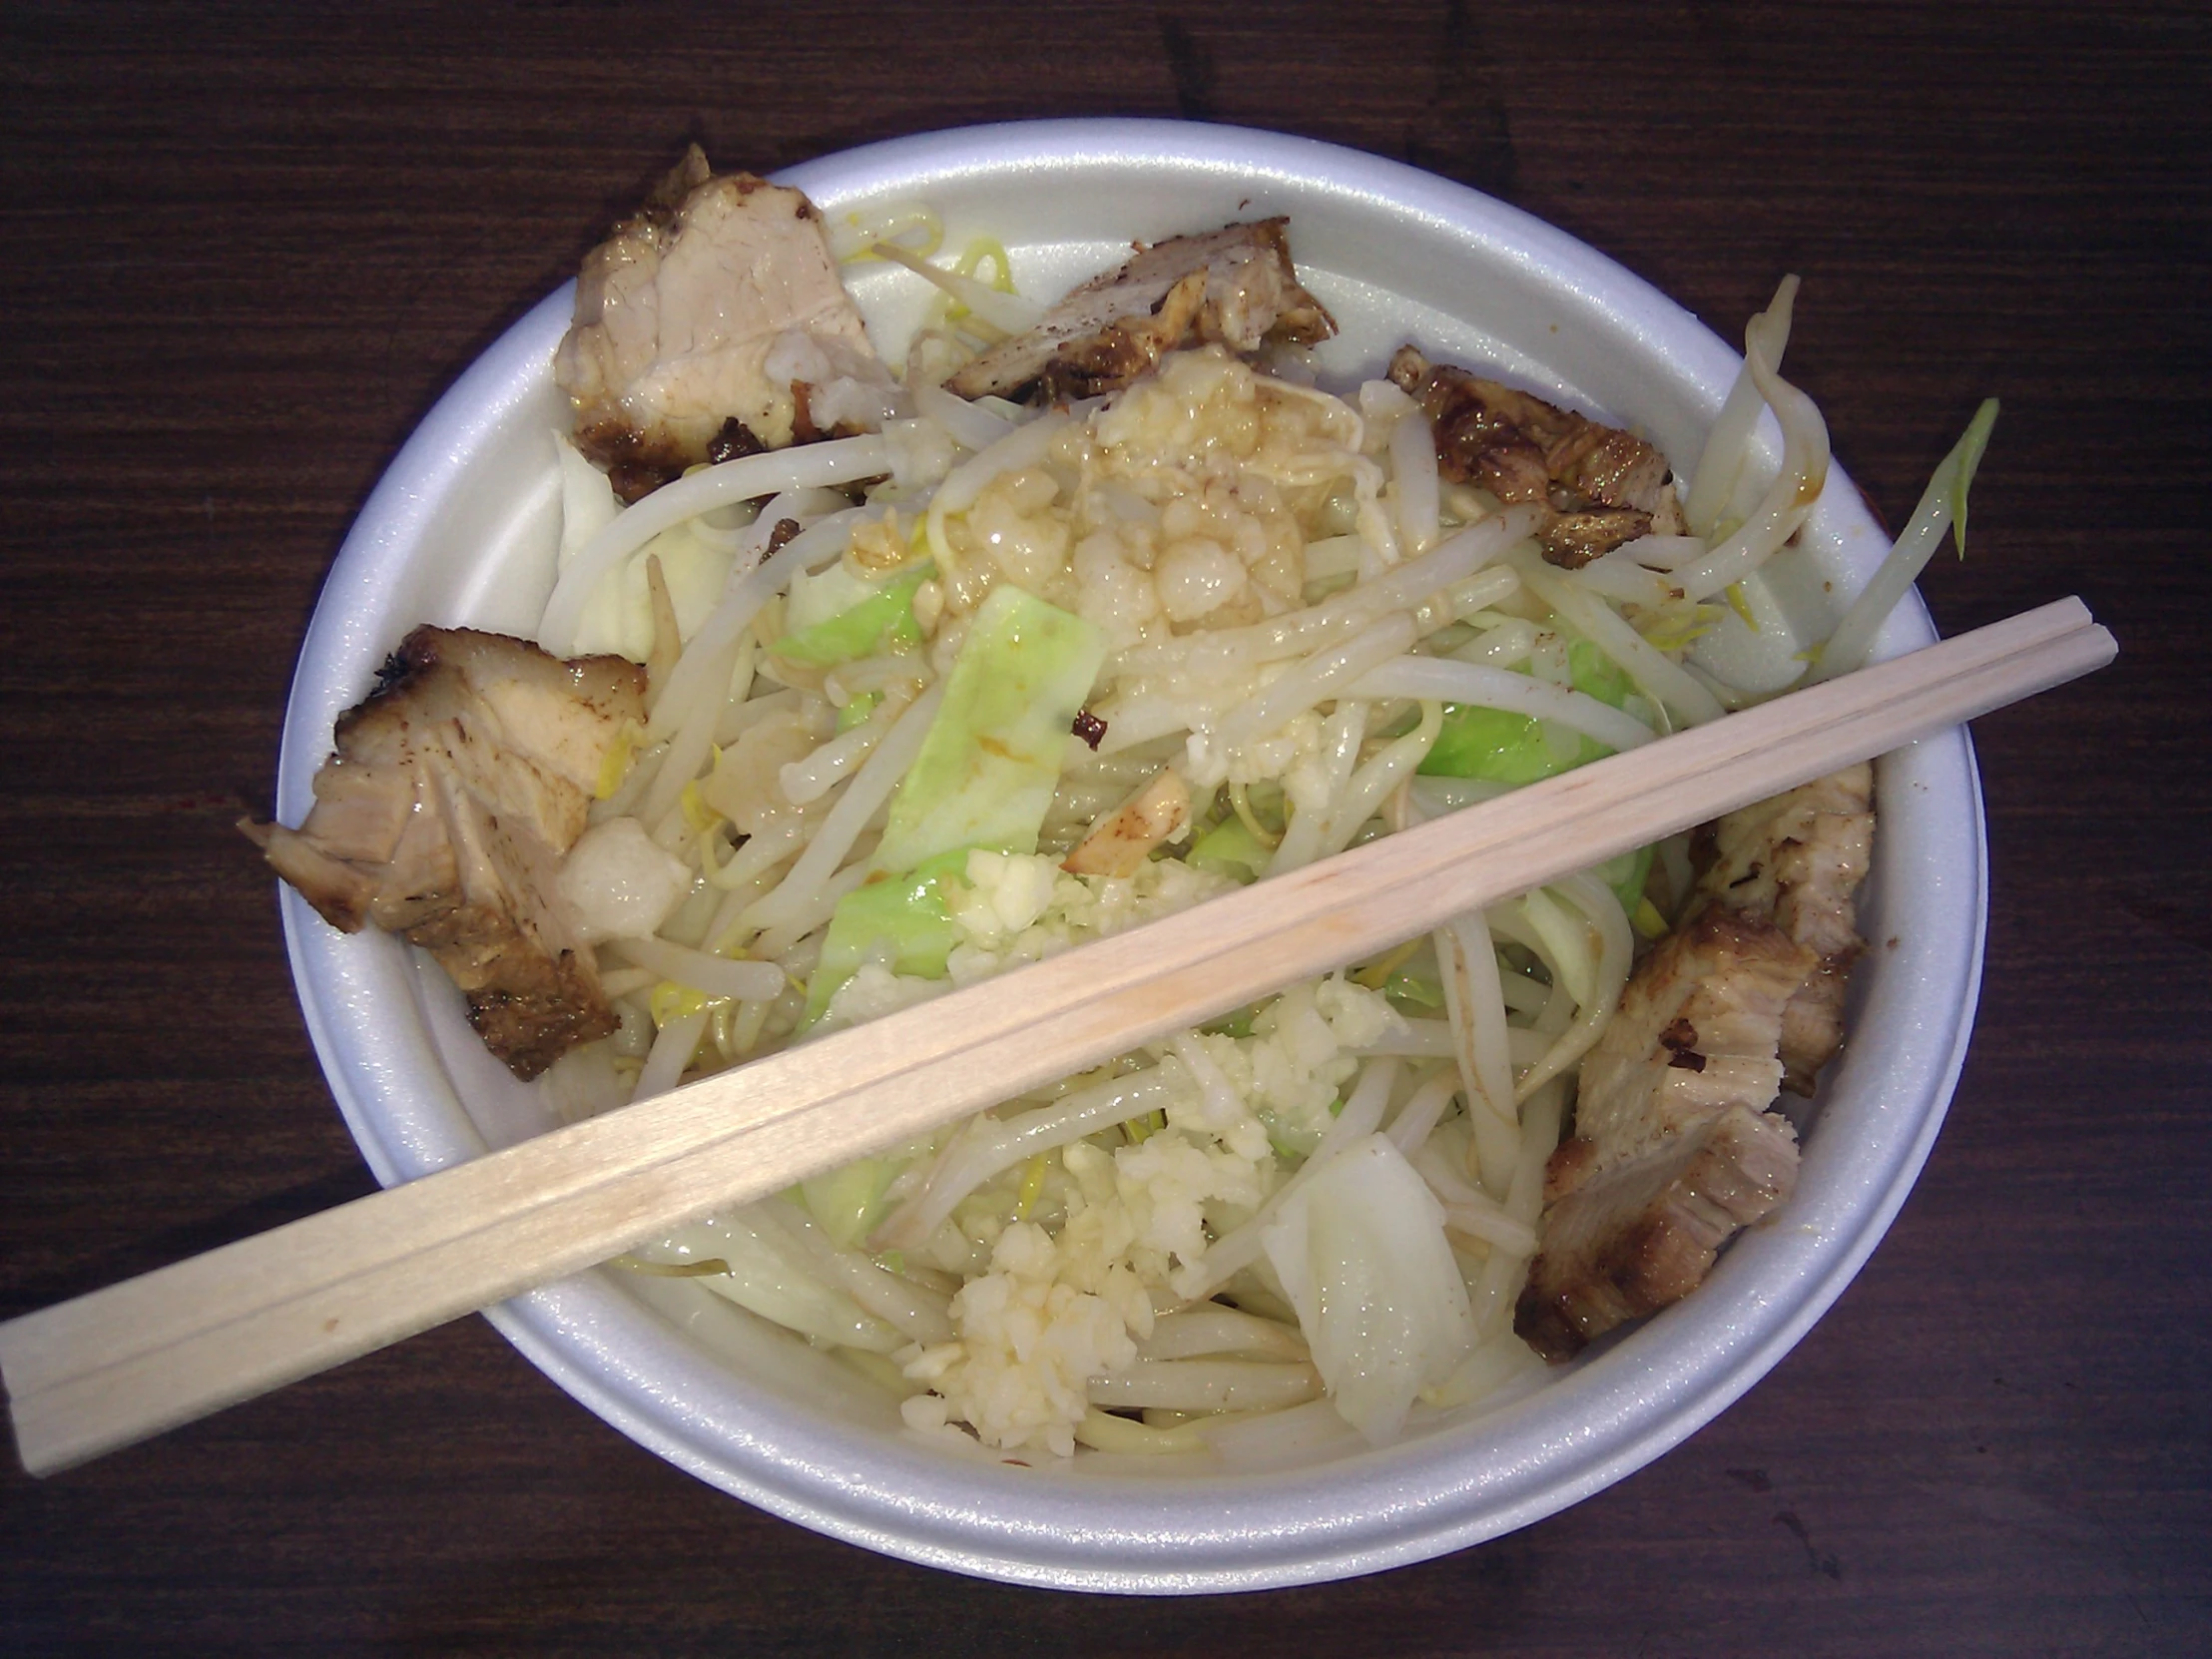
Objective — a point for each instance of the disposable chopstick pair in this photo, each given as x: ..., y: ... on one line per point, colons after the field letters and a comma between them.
x: 122, y: 1363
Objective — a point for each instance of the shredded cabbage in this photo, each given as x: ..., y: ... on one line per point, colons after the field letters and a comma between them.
x: 1360, y: 1254
x: 993, y: 757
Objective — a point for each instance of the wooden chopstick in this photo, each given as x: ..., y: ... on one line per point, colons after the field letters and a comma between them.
x: 122, y: 1363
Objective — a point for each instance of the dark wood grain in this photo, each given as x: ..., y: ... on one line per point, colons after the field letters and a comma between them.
x: 248, y: 245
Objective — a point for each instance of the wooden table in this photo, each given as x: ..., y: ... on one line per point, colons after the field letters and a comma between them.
x: 247, y: 250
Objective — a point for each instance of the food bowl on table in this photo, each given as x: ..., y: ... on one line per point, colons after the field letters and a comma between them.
x: 461, y: 530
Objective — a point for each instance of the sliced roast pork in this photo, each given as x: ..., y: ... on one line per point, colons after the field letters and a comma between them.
x: 713, y: 324
x: 1798, y: 860
x: 454, y: 792
x: 1603, y: 486
x: 1645, y: 1234
x: 1695, y: 1034
x: 1233, y: 287
x: 1674, y: 1145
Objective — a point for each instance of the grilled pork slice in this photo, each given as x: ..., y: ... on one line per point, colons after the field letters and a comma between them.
x: 456, y: 790
x: 1646, y: 1190
x: 1695, y: 1035
x: 1233, y: 287
x: 1797, y: 860
x: 1604, y: 486
x: 713, y: 324
x: 1645, y: 1234
x: 1743, y: 998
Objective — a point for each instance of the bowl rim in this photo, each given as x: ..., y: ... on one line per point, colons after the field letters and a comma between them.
x: 1107, y: 1532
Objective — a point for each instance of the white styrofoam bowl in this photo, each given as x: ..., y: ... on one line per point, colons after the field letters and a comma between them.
x: 461, y: 529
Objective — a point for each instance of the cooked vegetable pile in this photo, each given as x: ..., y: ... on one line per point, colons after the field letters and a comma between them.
x: 1079, y: 617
